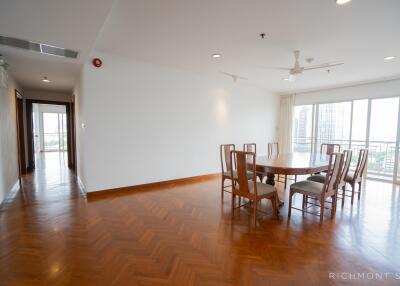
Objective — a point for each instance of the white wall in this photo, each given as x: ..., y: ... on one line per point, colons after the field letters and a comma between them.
x: 8, y: 140
x: 381, y: 89
x: 146, y: 123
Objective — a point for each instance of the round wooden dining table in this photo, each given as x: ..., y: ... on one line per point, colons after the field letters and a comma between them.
x: 296, y: 163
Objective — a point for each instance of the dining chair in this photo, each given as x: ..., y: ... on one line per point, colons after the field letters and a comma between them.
x: 356, y: 176
x: 252, y: 147
x: 273, y: 150
x: 249, y: 188
x: 320, y: 178
x: 319, y: 191
x: 328, y: 148
x: 227, y: 166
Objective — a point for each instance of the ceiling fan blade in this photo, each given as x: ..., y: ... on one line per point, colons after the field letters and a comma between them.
x: 323, y: 66
x: 235, y: 77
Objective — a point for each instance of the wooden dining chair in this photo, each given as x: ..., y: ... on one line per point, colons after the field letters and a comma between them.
x: 319, y: 191
x: 249, y: 188
x: 320, y: 178
x: 356, y: 176
x: 328, y: 148
x: 273, y: 150
x: 227, y: 166
x: 252, y: 147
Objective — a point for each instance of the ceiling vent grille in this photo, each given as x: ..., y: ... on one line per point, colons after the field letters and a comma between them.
x: 38, y: 47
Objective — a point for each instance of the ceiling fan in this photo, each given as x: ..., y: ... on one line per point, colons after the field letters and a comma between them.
x: 3, y: 62
x: 297, y: 69
x: 234, y: 77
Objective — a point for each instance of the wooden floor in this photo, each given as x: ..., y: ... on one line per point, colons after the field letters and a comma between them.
x: 184, y: 235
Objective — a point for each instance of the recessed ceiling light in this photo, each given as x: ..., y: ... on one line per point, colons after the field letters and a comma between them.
x: 45, y: 79
x: 341, y: 2
x: 216, y: 56
x: 286, y: 79
x: 389, y: 58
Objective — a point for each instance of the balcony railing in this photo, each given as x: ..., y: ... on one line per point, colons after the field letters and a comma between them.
x: 381, y: 156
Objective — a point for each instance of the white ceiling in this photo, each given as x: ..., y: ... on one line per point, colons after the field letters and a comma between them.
x: 72, y: 24
x: 184, y: 33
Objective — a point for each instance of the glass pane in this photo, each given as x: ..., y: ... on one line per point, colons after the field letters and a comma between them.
x: 334, y: 124
x: 359, y: 129
x: 50, y: 131
x: 302, y: 128
x: 383, y: 133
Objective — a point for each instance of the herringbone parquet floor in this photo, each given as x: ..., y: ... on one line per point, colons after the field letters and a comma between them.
x: 184, y: 235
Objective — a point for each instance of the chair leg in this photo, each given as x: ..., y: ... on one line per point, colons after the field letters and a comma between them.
x: 290, y: 205
x: 285, y: 181
x: 295, y: 178
x: 304, y: 205
x: 222, y: 187
x: 343, y: 194
x: 359, y: 190
x: 255, y: 212
x: 275, y: 206
x: 352, y: 192
x: 233, y: 204
x: 334, y: 203
x: 321, y: 213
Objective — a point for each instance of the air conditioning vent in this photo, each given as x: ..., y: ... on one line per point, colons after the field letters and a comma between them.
x: 38, y: 47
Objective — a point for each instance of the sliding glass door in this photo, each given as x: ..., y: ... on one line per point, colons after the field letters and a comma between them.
x: 303, y: 128
x: 383, y: 137
x: 366, y: 123
x: 54, y: 131
x: 334, y: 124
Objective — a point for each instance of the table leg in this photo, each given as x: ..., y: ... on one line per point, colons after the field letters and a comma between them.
x: 271, y: 181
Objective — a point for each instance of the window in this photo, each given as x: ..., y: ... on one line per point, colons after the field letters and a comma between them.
x: 302, y: 128
x: 353, y: 124
x: 334, y: 121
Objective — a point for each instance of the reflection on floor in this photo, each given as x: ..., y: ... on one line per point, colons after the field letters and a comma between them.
x: 184, y: 235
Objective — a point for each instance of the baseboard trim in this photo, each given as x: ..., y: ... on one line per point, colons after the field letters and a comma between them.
x: 81, y: 185
x: 155, y: 185
x: 10, y: 196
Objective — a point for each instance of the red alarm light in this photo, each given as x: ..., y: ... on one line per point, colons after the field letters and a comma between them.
x: 97, y: 62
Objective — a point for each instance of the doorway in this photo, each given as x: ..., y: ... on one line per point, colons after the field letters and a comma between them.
x: 50, y: 134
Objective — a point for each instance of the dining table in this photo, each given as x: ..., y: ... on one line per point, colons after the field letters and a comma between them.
x: 295, y: 163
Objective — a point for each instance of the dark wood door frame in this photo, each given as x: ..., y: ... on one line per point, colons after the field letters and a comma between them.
x: 71, y: 145
x: 19, y: 111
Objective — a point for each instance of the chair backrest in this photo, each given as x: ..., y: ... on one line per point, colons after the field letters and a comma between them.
x: 362, y: 162
x: 346, y: 165
x: 250, y: 147
x: 328, y: 149
x: 333, y: 174
x: 243, y: 160
x: 273, y: 149
x: 226, y: 160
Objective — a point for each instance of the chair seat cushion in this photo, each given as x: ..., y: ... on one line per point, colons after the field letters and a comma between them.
x: 350, y: 176
x: 319, y: 178
x: 235, y: 175
x: 307, y: 187
x: 262, y: 189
